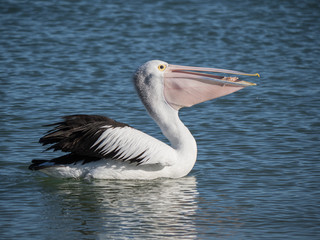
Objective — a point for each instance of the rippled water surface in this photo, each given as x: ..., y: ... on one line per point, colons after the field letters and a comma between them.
x: 258, y: 172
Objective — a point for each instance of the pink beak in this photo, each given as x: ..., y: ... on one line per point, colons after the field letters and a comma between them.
x: 186, y: 86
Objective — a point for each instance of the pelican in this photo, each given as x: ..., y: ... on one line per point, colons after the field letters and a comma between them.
x: 99, y: 147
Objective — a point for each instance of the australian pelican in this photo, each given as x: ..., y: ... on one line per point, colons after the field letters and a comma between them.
x: 100, y: 147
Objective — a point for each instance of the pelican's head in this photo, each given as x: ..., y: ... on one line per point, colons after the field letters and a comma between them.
x: 182, y: 86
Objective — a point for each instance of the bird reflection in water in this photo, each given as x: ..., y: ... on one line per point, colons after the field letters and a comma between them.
x: 143, y: 209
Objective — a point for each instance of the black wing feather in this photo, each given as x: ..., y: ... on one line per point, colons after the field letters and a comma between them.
x: 76, y: 135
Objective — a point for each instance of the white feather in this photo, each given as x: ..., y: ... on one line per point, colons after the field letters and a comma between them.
x: 132, y: 143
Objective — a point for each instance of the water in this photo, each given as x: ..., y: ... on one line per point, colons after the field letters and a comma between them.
x: 257, y: 174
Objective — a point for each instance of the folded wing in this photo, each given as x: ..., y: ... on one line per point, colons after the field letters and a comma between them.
x: 90, y: 138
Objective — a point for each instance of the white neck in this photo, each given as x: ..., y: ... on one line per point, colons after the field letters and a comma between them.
x: 178, y: 134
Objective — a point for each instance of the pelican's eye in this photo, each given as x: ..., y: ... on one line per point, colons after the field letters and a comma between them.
x: 162, y: 67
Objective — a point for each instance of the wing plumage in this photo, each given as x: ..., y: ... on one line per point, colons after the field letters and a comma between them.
x: 129, y: 144
x: 90, y: 138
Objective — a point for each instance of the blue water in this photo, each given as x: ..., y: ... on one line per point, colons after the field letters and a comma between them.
x: 258, y: 172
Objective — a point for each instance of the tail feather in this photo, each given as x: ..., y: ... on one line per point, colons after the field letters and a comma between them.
x: 38, y: 164
x: 75, y: 135
x: 64, y: 160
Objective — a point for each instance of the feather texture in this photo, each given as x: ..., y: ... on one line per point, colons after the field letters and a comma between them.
x: 89, y: 138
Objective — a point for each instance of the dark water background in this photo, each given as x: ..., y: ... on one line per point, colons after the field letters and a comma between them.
x: 258, y: 172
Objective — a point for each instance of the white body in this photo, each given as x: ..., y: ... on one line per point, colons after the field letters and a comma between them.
x: 165, y: 161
